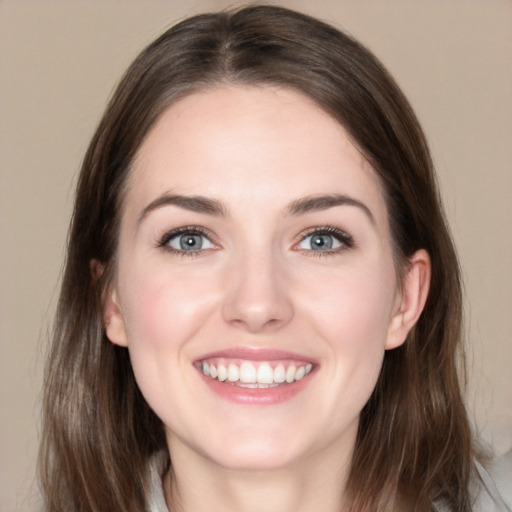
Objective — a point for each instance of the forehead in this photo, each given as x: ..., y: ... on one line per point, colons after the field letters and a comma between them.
x: 238, y: 143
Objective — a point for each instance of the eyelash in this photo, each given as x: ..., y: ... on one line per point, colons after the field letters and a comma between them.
x: 164, y: 240
x: 346, y: 240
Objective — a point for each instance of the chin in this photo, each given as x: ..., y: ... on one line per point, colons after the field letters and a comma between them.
x: 260, y: 451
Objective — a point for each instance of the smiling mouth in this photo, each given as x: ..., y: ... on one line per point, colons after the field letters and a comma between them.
x: 253, y: 374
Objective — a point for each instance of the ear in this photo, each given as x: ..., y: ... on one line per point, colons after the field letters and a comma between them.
x: 411, y: 300
x: 113, y: 319
x: 96, y: 268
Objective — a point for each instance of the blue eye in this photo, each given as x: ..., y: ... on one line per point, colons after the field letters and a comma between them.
x: 189, y: 240
x: 326, y: 240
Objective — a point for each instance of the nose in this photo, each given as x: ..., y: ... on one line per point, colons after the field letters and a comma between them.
x: 257, y: 297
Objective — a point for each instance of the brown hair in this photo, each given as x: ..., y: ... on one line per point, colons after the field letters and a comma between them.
x: 414, y: 442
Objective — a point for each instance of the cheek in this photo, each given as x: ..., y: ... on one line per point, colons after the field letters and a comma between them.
x: 162, y: 314
x: 355, y: 305
x: 352, y: 313
x: 162, y: 309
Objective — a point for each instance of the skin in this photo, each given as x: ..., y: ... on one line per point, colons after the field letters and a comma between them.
x: 257, y: 283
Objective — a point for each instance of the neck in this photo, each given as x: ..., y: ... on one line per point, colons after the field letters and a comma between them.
x: 197, y: 484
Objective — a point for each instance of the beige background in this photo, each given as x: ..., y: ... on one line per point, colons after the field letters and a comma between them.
x: 59, y: 61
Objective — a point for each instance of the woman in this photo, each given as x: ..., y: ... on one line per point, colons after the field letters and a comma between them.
x: 261, y: 307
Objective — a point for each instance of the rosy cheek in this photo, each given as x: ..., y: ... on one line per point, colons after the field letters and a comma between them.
x: 354, y: 315
x: 356, y: 299
x: 154, y: 331
x: 155, y: 318
x: 165, y: 311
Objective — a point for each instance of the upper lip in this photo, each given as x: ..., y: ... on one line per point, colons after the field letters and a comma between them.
x: 256, y: 354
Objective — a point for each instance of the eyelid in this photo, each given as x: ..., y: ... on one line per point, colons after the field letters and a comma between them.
x: 163, y: 240
x: 346, y: 240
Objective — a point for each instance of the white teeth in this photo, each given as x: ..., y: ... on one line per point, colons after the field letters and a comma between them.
x: 222, y: 373
x: 299, y: 374
x: 233, y: 373
x: 247, y: 375
x: 290, y: 374
x: 265, y: 374
x: 279, y: 374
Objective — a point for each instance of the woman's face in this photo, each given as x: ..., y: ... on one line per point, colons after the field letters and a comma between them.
x: 255, y: 286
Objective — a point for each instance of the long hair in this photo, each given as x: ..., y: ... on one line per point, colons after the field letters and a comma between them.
x: 414, y: 442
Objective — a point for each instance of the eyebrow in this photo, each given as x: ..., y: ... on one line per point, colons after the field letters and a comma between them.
x: 198, y: 204
x: 316, y: 203
x: 210, y: 206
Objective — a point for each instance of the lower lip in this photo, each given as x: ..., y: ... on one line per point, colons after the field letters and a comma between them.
x: 256, y: 396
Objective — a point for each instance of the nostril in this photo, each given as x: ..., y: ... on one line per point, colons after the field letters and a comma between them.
x: 255, y: 325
